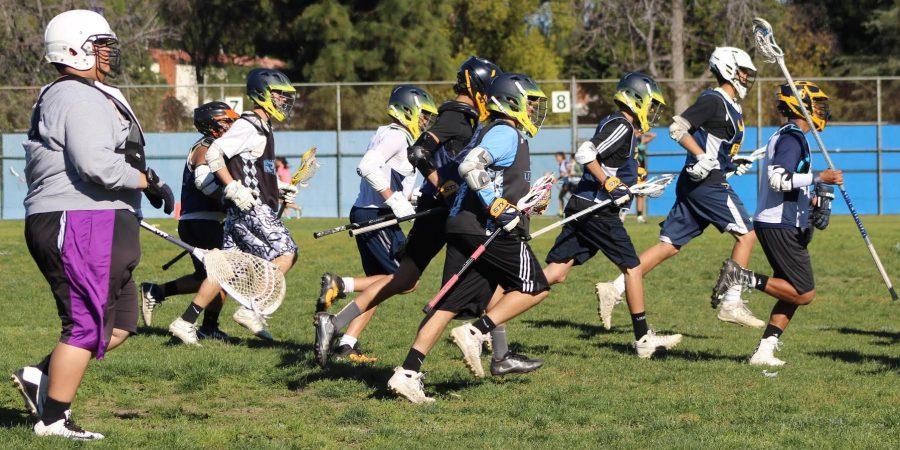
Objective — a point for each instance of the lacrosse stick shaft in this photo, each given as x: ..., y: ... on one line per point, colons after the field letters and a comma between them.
x: 191, y: 249
x: 356, y: 231
x: 350, y: 226
x: 462, y: 270
x: 853, y: 212
x: 174, y: 260
x: 575, y: 216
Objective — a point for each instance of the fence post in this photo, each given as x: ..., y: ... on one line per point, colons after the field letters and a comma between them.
x: 878, y: 144
x: 574, y: 105
x: 337, y: 151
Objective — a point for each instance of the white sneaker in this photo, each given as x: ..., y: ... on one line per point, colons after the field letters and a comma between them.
x: 737, y: 312
x: 185, y: 331
x: 408, y: 384
x: 651, y: 342
x: 469, y: 341
x: 150, y: 297
x: 66, y: 428
x: 252, y: 321
x: 765, y: 353
x: 607, y: 298
x: 641, y: 219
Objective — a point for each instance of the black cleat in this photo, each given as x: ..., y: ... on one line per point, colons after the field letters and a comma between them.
x: 331, y: 288
x: 514, y: 363
x: 325, y: 332
x: 213, y: 333
x: 32, y: 385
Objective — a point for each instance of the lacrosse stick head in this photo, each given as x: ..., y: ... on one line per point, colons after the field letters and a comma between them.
x: 309, y: 165
x: 653, y: 187
x: 252, y: 281
x: 538, y: 197
x: 765, y: 40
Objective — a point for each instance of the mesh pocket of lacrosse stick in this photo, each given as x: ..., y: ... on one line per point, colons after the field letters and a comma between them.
x: 252, y: 281
x: 538, y: 197
x: 654, y: 187
x: 309, y: 165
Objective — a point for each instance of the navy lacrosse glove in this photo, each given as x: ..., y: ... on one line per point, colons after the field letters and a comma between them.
x: 821, y: 213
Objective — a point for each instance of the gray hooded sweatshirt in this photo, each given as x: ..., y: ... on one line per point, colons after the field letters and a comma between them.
x: 72, y: 165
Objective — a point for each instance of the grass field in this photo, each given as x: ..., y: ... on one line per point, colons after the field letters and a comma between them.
x: 840, y: 389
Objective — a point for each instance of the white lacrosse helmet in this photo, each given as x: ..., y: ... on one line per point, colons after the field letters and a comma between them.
x: 724, y: 64
x: 69, y: 38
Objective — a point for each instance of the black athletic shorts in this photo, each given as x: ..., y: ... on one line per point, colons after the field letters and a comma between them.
x: 786, y: 250
x: 88, y: 257
x: 201, y: 233
x: 425, y: 240
x: 507, y: 262
x: 580, y: 239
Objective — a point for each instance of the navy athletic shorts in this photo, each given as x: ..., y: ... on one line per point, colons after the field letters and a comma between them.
x: 786, y: 250
x: 378, y: 249
x: 700, y: 205
x: 580, y: 239
x: 88, y: 257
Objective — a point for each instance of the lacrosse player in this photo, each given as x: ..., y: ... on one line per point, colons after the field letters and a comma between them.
x: 432, y: 154
x: 496, y: 168
x: 85, y: 170
x: 711, y: 130
x: 387, y: 181
x: 200, y: 223
x: 610, y: 168
x: 791, y: 201
x: 243, y: 159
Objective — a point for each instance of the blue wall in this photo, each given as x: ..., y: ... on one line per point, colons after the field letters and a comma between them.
x: 166, y: 152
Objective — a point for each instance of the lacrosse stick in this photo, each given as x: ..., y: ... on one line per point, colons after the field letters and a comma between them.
x: 533, y: 203
x: 756, y: 155
x: 308, y: 168
x: 390, y: 221
x: 17, y: 175
x: 174, y: 260
x: 652, y: 188
x: 772, y: 53
x: 252, y: 281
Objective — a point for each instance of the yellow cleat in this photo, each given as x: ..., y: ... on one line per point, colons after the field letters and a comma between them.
x: 332, y: 288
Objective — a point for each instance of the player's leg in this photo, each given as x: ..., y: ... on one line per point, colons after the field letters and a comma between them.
x: 407, y: 379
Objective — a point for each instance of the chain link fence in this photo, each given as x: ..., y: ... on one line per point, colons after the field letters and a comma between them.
x: 339, y: 118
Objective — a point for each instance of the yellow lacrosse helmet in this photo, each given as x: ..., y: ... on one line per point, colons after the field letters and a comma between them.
x: 272, y: 91
x: 814, y: 99
x: 639, y: 94
x: 519, y: 98
x: 413, y: 107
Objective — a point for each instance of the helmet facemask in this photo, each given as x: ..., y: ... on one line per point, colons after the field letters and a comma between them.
x: 814, y: 100
x: 283, y: 103
x: 105, y: 50
x: 640, y: 95
x: 223, y: 123
x: 743, y: 80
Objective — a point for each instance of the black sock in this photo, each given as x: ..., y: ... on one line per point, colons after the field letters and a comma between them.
x: 772, y: 330
x: 211, y: 319
x: 485, y: 325
x: 54, y: 410
x: 761, y: 282
x: 414, y: 360
x: 192, y: 313
x: 44, y: 365
x: 639, y: 323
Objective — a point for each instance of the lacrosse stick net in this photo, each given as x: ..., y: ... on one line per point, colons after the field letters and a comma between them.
x: 309, y: 165
x: 252, y: 281
x: 536, y: 201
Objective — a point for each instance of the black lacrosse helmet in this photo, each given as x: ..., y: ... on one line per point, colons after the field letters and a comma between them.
x: 213, y: 119
x: 473, y: 78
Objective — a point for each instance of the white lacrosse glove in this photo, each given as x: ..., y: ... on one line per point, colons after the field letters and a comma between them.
x: 700, y: 169
x: 780, y: 180
x: 742, y: 165
x: 400, y: 206
x: 240, y: 195
x: 288, y: 191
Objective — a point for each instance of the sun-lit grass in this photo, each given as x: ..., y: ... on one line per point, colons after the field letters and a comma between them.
x: 840, y: 389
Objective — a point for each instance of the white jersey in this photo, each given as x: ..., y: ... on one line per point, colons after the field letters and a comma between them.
x: 386, y: 160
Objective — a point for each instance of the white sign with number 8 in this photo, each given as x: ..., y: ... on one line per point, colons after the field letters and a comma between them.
x: 561, y: 102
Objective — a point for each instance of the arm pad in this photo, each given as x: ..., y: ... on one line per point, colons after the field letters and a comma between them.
x: 369, y: 169
x: 679, y: 128
x: 586, y: 153
x: 473, y: 166
x: 421, y: 153
x: 215, y: 159
x: 204, y: 180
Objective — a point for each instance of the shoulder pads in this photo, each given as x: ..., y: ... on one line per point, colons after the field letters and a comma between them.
x: 460, y: 107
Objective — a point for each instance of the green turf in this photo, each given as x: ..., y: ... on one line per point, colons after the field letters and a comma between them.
x: 840, y: 388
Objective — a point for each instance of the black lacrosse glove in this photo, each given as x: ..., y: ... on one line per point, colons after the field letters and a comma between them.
x: 159, y: 193
x: 821, y: 213
x: 505, y: 214
x: 617, y: 190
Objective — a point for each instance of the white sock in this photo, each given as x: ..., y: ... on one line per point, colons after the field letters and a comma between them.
x: 349, y: 284
x: 733, y: 296
x: 347, y: 340
x: 619, y: 284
